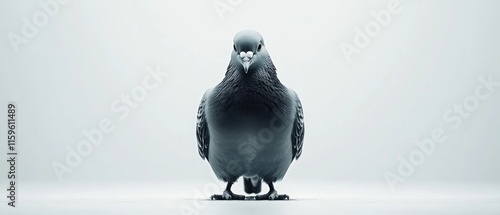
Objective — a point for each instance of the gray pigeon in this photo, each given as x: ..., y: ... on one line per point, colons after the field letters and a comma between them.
x: 250, y: 124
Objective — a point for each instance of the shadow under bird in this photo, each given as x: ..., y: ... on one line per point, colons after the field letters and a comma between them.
x: 250, y: 125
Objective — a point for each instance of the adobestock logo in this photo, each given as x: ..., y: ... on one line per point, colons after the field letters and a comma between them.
x: 40, y: 19
x: 454, y: 117
x: 372, y: 29
x: 221, y: 7
x: 95, y: 136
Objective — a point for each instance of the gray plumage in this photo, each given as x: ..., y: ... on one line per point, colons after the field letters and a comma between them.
x: 250, y: 125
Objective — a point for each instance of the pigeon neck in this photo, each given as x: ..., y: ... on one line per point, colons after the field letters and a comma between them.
x: 259, y: 90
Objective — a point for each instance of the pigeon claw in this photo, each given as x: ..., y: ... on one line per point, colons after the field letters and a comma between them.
x: 227, y: 195
x: 272, y: 195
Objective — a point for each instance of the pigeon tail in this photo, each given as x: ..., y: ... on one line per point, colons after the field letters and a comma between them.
x: 252, y: 185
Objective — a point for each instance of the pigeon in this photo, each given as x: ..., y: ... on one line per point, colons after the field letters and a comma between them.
x: 250, y: 125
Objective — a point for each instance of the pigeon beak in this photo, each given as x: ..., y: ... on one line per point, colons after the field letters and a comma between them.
x: 246, y: 65
x: 247, y: 60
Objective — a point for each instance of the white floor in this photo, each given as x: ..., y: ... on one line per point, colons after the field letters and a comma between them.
x: 313, y: 199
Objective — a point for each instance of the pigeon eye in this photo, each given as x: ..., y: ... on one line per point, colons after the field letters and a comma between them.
x: 234, y: 47
x: 259, y: 47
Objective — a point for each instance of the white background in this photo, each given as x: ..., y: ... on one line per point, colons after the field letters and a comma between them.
x: 360, y: 115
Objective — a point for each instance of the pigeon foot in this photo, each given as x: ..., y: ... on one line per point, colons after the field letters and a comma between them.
x: 272, y: 195
x: 227, y: 195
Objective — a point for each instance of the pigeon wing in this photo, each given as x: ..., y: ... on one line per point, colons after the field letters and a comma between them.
x: 298, y: 130
x: 202, y: 129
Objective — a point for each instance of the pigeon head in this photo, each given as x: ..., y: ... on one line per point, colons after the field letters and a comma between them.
x: 249, y: 51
